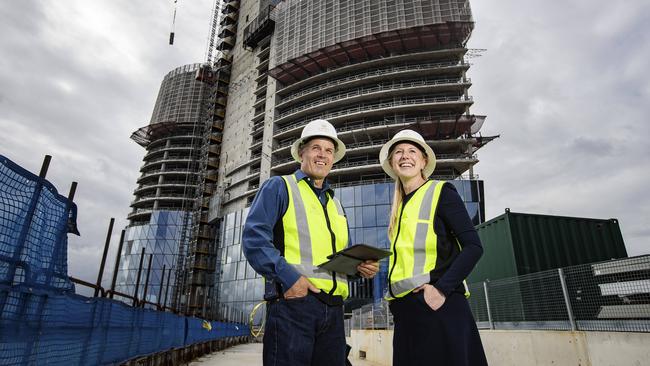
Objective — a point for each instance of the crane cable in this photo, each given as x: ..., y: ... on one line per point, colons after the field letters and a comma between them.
x: 214, y: 19
x: 171, y: 33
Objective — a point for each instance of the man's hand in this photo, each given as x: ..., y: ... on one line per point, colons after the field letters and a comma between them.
x: 432, y: 296
x: 368, y: 269
x: 300, y: 289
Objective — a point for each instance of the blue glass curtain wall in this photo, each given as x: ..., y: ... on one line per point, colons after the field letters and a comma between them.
x: 160, y: 237
x: 239, y: 287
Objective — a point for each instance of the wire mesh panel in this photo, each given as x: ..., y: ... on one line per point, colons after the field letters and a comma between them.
x: 611, y: 296
x: 347, y: 324
x: 532, y: 301
x: 604, y: 296
x: 478, y: 305
x: 372, y: 316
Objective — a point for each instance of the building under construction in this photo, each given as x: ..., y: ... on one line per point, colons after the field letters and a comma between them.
x: 169, y: 216
x: 371, y: 68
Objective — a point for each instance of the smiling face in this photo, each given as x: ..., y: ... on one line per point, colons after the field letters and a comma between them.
x: 317, y: 157
x: 407, y: 161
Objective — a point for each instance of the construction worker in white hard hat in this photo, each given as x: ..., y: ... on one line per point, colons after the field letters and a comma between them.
x: 294, y: 223
x: 435, y: 246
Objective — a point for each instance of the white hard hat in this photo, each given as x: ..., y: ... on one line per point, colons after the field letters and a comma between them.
x: 316, y: 128
x: 412, y: 137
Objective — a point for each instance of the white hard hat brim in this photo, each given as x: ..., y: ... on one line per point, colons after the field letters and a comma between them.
x: 338, y: 154
x: 385, y: 162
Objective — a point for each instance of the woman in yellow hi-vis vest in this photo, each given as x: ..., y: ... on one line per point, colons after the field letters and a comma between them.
x: 435, y: 247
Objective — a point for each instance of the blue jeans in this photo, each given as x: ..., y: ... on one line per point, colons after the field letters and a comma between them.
x: 304, y: 332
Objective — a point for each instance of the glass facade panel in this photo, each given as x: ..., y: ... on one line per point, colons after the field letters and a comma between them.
x: 368, y: 195
x: 383, y: 215
x: 382, y: 194
x: 239, y: 288
x: 160, y: 237
x: 369, y: 217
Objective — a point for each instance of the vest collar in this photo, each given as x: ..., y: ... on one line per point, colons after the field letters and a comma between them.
x: 408, y: 196
x: 300, y: 175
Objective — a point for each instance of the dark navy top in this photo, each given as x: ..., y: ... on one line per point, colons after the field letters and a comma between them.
x: 453, y: 263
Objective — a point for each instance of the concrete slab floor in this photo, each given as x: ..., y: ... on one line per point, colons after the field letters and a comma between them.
x: 246, y: 355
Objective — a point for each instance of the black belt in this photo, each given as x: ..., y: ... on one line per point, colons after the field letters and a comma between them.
x: 327, y: 299
x: 274, y: 292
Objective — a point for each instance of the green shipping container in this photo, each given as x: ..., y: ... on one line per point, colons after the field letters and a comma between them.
x: 518, y: 243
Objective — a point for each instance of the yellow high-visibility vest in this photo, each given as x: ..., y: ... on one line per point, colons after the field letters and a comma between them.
x: 311, y: 233
x: 414, y: 242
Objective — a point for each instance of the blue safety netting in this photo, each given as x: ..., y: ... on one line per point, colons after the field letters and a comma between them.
x: 69, y: 329
x: 42, y: 321
x: 34, y: 221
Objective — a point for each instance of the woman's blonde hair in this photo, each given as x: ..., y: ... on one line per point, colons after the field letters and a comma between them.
x: 398, y: 196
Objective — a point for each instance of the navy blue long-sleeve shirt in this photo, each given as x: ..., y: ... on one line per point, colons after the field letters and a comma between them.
x: 267, y: 209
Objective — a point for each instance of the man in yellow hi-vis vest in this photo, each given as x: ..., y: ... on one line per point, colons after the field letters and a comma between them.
x: 294, y: 223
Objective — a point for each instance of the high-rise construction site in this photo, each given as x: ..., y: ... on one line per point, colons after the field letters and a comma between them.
x: 179, y: 173
x: 371, y: 68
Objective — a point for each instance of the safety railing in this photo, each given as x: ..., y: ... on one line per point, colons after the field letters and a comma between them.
x: 156, y: 172
x: 605, y: 296
x: 368, y: 90
x: 383, y: 71
x: 370, y: 107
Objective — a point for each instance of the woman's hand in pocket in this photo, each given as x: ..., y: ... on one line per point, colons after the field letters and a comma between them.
x: 432, y: 296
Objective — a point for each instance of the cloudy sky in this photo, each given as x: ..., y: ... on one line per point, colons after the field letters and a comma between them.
x: 565, y: 87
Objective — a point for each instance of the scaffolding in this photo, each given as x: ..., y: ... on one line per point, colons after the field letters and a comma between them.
x: 196, y: 284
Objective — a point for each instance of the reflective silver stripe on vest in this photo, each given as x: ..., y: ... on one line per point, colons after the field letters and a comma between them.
x: 306, y: 266
x: 409, y: 284
x: 420, y: 241
x: 339, y: 208
x: 340, y: 276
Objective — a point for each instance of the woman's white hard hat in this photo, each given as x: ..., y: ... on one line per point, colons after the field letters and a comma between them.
x: 415, y: 138
x: 318, y: 128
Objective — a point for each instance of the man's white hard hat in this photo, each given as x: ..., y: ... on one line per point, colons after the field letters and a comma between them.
x: 318, y: 128
x: 412, y: 137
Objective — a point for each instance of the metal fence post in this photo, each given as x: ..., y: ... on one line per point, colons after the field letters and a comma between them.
x: 567, y: 302
x: 107, y: 243
x: 117, y: 263
x: 387, y: 309
x: 487, y: 305
x: 137, y: 280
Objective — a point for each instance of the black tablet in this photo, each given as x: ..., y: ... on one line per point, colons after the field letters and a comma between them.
x: 347, y: 260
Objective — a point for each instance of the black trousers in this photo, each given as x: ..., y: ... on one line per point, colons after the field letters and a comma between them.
x: 446, y: 337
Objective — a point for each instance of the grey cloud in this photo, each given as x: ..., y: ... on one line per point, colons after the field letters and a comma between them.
x: 589, y: 146
x: 76, y: 88
x: 565, y: 88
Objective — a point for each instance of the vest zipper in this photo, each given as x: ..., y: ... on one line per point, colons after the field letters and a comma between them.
x: 390, y: 274
x: 329, y: 227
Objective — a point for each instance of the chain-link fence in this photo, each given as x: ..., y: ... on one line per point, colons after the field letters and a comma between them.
x: 605, y: 296
x: 372, y: 316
